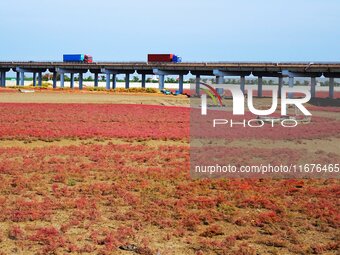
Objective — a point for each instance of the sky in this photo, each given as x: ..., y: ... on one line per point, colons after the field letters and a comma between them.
x: 197, y: 30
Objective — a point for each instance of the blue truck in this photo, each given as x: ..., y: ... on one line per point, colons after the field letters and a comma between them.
x: 80, y: 58
x: 176, y: 59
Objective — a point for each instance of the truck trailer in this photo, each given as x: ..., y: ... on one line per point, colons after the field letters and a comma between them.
x: 80, y: 58
x: 164, y: 58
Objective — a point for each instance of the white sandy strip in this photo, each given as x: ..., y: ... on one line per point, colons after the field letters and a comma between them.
x: 102, y: 84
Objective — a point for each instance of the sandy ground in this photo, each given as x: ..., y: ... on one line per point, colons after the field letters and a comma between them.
x: 93, y: 97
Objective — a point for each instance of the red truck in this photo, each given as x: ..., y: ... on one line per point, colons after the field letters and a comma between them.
x: 164, y: 58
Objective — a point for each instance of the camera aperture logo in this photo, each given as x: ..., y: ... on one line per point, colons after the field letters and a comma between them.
x: 263, y: 115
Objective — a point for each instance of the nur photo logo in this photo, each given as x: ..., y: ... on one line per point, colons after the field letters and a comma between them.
x: 216, y: 93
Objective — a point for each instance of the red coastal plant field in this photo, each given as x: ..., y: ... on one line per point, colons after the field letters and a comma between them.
x: 114, y: 179
x: 101, y: 197
x: 48, y: 121
x: 54, y: 121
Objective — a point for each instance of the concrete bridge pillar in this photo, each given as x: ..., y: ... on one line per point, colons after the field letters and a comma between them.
x: 161, y: 74
x: 95, y: 79
x: 34, y: 79
x: 62, y: 80
x: 114, y: 81
x: 40, y: 79
x: 22, y: 78
x: 127, y: 80
x: 331, y: 87
x: 143, y: 80
x: 107, y: 81
x: 291, y: 85
x: 280, y: 86
x: 80, y: 81
x: 242, y: 83
x: 108, y: 73
x: 220, y: 80
x: 54, y: 80
x: 71, y: 80
x: 313, y: 85
x: 181, y: 81
x: 161, y: 81
x: 291, y: 82
x: 18, y: 79
x: 3, y: 79
x: 259, y: 86
x: 197, y: 87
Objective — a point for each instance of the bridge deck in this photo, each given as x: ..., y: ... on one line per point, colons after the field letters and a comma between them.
x: 187, y: 66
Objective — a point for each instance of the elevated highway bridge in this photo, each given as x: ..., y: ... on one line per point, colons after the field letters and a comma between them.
x: 312, y: 70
